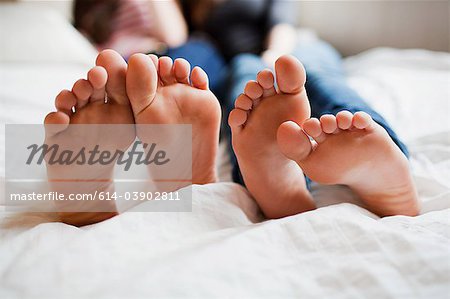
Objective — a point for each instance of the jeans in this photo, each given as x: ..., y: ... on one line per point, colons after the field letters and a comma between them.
x: 326, y: 84
x: 202, y: 53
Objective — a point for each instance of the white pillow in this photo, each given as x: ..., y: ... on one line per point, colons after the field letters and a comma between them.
x: 32, y: 33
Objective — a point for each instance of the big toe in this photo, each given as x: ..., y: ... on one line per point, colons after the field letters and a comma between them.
x: 141, y: 82
x: 290, y: 73
x: 293, y: 142
x: 116, y: 67
x: 56, y: 122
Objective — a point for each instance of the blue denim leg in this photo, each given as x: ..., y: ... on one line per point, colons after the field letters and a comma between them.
x: 327, y: 88
x: 242, y: 68
x: 202, y: 53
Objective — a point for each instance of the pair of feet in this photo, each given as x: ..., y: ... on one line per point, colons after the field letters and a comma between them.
x: 146, y: 91
x: 272, y: 150
x: 272, y: 132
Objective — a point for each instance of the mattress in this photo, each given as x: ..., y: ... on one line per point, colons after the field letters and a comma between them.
x: 225, y: 248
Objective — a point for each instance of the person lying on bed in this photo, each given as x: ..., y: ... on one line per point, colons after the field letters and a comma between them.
x: 131, y: 26
x: 272, y: 132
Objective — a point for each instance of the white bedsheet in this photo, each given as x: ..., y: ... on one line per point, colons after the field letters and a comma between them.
x: 219, y: 251
x: 223, y: 248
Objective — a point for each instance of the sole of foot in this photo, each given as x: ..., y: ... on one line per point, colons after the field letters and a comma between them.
x: 276, y: 182
x: 100, y: 99
x: 353, y: 150
x: 162, y: 91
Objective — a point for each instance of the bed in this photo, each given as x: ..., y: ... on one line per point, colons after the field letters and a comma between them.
x: 224, y: 248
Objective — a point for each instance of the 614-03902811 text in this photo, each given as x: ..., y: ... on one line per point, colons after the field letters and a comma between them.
x: 105, y: 196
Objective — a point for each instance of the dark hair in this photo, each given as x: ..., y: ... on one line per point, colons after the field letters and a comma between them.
x: 196, y: 11
x: 93, y: 17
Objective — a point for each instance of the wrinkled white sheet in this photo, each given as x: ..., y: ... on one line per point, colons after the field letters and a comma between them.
x: 219, y: 250
x: 223, y: 248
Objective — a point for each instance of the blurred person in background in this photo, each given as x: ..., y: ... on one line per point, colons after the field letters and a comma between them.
x: 260, y: 27
x: 131, y: 26
x: 146, y: 26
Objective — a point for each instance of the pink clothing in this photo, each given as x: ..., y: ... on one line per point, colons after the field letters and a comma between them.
x: 132, y: 28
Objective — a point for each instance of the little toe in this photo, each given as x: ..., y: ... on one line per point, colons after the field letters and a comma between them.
x: 166, y: 71
x: 293, y: 142
x: 266, y: 79
x: 98, y: 78
x: 65, y: 101
x: 243, y: 102
x: 141, y: 82
x: 290, y: 73
x: 56, y: 122
x: 362, y: 120
x: 82, y: 89
x: 313, y: 128
x: 199, y: 78
x: 116, y: 68
x: 329, y: 123
x: 344, y: 120
x: 237, y: 118
x: 253, y: 90
x: 181, y: 69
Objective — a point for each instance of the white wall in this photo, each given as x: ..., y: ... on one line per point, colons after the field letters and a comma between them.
x: 353, y: 26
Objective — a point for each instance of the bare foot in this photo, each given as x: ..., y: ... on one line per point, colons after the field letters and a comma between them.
x: 88, y: 99
x: 353, y: 150
x: 276, y: 182
x: 165, y: 92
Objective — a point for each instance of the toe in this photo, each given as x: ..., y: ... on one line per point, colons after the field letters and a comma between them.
x: 56, y: 122
x: 329, y: 123
x: 243, y: 102
x: 166, y: 71
x: 266, y: 80
x: 313, y: 128
x: 199, y: 78
x: 181, y: 69
x: 155, y: 60
x: 237, y: 118
x: 290, y: 73
x: 65, y: 101
x: 362, y: 120
x: 141, y: 82
x: 253, y: 90
x: 82, y: 89
x: 98, y: 78
x: 344, y: 120
x: 116, y: 69
x: 293, y: 142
